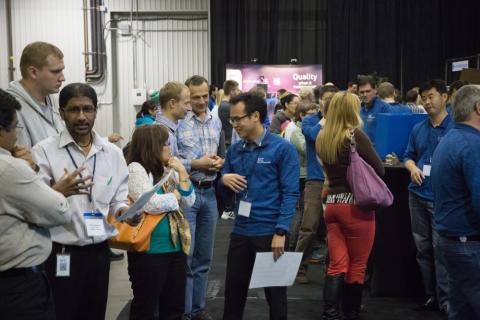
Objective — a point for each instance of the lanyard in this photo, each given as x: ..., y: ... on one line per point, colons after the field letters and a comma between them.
x: 80, y: 174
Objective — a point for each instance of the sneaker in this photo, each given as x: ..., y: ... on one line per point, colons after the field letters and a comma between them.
x: 302, y: 276
x: 228, y: 215
x: 116, y: 256
x: 202, y: 315
x: 317, y: 257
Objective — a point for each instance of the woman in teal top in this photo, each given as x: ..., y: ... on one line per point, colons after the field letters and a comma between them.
x: 159, y: 276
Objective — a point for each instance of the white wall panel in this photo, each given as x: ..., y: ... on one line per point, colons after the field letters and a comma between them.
x: 158, y: 5
x: 3, y: 46
x: 174, y: 50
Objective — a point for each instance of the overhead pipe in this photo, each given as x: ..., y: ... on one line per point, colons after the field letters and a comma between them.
x: 11, y: 66
x: 97, y: 71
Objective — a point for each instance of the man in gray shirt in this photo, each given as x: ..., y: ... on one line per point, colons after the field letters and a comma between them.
x: 28, y: 207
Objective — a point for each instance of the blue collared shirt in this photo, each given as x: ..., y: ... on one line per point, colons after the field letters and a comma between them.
x: 423, y: 140
x: 172, y: 129
x: 369, y: 116
x: 456, y: 182
x: 196, y: 138
x: 310, y: 129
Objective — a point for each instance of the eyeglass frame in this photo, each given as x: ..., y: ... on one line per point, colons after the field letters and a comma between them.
x: 237, y: 120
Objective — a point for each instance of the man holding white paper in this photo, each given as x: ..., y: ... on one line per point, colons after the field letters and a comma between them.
x: 263, y: 171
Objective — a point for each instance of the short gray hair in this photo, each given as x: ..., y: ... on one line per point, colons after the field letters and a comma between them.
x: 465, y: 100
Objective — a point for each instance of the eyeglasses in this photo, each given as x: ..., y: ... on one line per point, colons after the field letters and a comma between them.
x: 237, y: 119
x: 17, y: 127
x: 77, y: 110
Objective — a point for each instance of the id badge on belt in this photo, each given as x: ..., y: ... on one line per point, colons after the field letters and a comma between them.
x: 95, y: 224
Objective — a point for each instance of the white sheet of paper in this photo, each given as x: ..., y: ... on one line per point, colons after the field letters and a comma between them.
x: 268, y: 273
x: 244, y: 208
x: 144, y: 198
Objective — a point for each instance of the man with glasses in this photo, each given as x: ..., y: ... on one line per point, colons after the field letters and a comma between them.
x: 27, y: 209
x: 79, y: 265
x: 263, y: 171
x: 198, y: 139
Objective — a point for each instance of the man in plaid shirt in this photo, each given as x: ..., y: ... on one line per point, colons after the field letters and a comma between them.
x: 198, y: 138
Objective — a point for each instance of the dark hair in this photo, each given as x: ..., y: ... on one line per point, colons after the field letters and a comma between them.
x: 8, y: 107
x: 316, y: 92
x: 211, y: 89
x: 253, y: 103
x: 287, y: 99
x: 411, y: 96
x: 455, y: 85
x: 351, y: 83
x: 76, y: 90
x: 228, y: 86
x: 436, y: 84
x: 145, y: 148
x: 146, y: 107
x: 364, y: 80
x: 326, y: 89
x: 195, y: 81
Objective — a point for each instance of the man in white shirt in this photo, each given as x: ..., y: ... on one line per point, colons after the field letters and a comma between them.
x: 79, y: 264
x: 27, y: 209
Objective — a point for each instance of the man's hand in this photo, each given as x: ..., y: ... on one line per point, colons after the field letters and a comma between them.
x: 22, y: 152
x: 217, y: 163
x: 114, y: 137
x: 417, y: 176
x: 278, y: 246
x: 71, y: 183
x: 204, y: 163
x: 235, y: 182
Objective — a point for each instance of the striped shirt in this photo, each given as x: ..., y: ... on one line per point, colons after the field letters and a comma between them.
x: 196, y: 138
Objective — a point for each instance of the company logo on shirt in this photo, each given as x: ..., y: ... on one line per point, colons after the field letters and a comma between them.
x: 263, y: 161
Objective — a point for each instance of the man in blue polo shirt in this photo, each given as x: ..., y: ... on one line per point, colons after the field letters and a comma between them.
x: 423, y: 140
x: 456, y: 188
x: 263, y: 171
x: 371, y: 105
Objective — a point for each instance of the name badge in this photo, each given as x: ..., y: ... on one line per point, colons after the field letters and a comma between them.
x: 244, y: 208
x: 426, y: 170
x: 63, y: 265
x: 94, y: 223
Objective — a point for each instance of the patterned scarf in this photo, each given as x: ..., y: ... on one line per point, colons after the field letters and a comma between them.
x: 179, y: 226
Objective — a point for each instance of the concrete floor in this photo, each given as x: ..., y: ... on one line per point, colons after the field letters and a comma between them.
x: 305, y: 301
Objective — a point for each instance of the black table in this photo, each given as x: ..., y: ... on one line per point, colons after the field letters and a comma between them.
x: 392, y: 266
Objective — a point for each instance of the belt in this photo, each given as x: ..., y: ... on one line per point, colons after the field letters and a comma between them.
x: 463, y: 238
x: 204, y: 184
x: 340, y: 198
x: 15, y: 272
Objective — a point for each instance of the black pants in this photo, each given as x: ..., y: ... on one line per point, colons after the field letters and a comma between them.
x: 84, y: 294
x: 241, y: 257
x: 158, y: 284
x: 25, y: 295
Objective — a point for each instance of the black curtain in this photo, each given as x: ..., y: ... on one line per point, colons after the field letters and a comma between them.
x: 407, y: 41
x: 270, y: 31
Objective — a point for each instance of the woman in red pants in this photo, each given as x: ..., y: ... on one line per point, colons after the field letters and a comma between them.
x: 350, y: 230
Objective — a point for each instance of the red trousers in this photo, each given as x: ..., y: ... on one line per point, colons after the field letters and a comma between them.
x: 350, y: 235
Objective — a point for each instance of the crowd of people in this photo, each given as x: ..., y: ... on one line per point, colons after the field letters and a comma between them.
x: 282, y: 178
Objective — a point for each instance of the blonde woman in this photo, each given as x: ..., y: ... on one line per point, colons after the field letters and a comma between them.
x: 350, y: 230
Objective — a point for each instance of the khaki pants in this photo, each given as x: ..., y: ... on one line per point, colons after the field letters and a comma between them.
x: 312, y: 218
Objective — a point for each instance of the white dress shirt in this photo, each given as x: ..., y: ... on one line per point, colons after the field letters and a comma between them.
x: 110, y: 177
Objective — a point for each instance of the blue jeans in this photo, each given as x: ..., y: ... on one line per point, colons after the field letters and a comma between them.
x: 202, y: 217
x: 430, y: 262
x: 462, y: 260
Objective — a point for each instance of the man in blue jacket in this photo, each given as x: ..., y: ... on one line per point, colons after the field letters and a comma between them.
x: 263, y: 171
x: 371, y: 105
x: 456, y: 190
x: 424, y: 138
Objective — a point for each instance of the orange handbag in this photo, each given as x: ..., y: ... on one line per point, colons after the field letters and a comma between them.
x: 134, y: 238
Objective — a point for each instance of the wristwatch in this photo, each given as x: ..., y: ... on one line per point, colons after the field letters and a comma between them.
x: 280, y: 232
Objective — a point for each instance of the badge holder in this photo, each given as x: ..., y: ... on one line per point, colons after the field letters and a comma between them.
x: 427, y: 167
x: 245, y: 207
x: 63, y: 264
